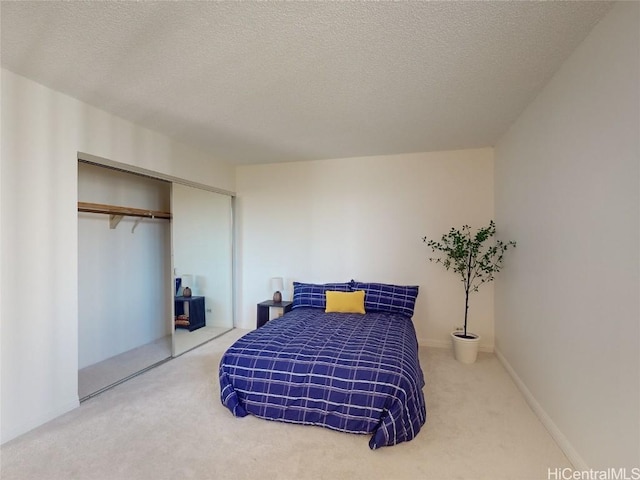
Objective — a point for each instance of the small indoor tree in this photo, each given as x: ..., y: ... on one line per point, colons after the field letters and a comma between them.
x: 472, y: 256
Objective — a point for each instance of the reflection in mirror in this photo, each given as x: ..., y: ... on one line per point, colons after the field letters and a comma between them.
x: 202, y: 239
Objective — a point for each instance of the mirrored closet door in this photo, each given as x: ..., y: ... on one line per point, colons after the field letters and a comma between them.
x: 202, y: 246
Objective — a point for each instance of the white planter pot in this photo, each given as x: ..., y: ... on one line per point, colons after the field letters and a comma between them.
x: 465, y: 350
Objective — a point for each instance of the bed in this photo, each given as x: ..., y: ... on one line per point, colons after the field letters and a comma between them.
x: 351, y: 372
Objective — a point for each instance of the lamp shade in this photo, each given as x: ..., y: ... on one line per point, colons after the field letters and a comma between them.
x: 187, y: 281
x: 277, y: 284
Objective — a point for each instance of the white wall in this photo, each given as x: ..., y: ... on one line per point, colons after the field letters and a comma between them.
x: 42, y: 133
x: 364, y: 218
x: 123, y: 275
x: 567, y: 188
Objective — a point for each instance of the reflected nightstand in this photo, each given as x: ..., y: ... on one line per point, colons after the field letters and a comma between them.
x: 195, y: 311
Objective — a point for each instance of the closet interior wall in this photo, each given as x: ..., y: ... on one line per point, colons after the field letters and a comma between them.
x: 123, y: 272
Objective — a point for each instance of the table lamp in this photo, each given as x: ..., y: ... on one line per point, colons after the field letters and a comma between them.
x: 277, y: 285
x: 187, y: 284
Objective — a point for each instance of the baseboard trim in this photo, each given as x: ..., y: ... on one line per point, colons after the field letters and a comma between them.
x: 563, y: 442
x: 39, y: 421
x: 447, y: 344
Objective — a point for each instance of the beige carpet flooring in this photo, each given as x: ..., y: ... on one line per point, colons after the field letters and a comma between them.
x: 168, y: 423
x: 100, y: 375
x: 184, y: 340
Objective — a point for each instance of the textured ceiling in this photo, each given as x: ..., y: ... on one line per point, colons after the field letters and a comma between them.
x: 254, y: 82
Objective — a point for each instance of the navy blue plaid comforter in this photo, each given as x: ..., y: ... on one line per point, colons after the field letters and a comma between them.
x: 348, y: 372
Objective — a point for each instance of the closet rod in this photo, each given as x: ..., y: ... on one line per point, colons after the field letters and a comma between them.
x: 125, y: 211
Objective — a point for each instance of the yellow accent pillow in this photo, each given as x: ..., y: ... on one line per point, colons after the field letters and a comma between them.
x: 345, y: 302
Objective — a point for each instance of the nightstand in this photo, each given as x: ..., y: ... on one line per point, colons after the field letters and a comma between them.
x: 266, y: 306
x: 195, y: 311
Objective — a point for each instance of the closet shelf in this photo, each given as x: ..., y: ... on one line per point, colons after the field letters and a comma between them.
x: 116, y: 213
x: 124, y: 211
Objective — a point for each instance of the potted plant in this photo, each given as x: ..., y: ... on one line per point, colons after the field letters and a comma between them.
x: 476, y: 258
